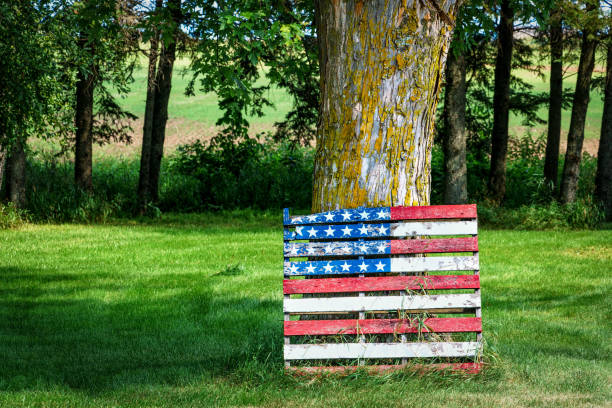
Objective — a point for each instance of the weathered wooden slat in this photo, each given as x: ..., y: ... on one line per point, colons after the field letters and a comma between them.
x: 336, y: 216
x: 468, y: 368
x: 379, y: 350
x: 382, y: 230
x: 379, y: 247
x: 418, y: 246
x: 434, y: 212
x: 382, y: 283
x: 378, y: 265
x: 385, y: 213
x: 379, y: 303
x: 382, y: 326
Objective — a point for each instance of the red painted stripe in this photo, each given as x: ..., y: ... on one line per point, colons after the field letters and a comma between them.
x: 468, y: 368
x: 382, y: 326
x: 417, y: 246
x: 339, y: 285
x: 434, y: 212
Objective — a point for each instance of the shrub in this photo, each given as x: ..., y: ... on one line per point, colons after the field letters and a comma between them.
x: 249, y: 174
x: 581, y: 214
x: 11, y: 216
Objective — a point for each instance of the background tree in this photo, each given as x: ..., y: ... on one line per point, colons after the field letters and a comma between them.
x: 169, y: 29
x: 103, y: 55
x: 147, y: 130
x: 473, y: 24
x: 501, y: 101
x: 587, y: 16
x: 603, y: 178
x: 555, y: 104
x: 33, y: 90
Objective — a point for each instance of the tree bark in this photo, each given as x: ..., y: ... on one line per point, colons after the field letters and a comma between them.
x: 501, y: 103
x: 3, y: 168
x: 575, y: 136
x: 380, y: 79
x: 455, y: 175
x: 163, y: 81
x: 551, y: 158
x: 603, y: 178
x: 147, y: 131
x: 84, y: 126
x: 16, y: 174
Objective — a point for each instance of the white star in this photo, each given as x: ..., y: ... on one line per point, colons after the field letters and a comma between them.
x: 346, y: 230
x: 380, y: 266
x: 382, y: 247
x: 346, y: 248
x: 363, y: 248
x: 346, y: 216
x: 328, y: 268
x: 298, y: 230
x: 330, y: 231
x: 382, y: 230
x: 382, y: 214
x: 363, y: 267
x: 312, y: 232
x: 310, y: 269
x: 296, y: 220
x: 345, y: 267
x: 329, y: 248
x: 292, y: 268
x: 329, y: 217
x: 364, y: 214
x: 363, y: 230
x: 293, y: 250
x: 312, y: 217
x: 310, y: 250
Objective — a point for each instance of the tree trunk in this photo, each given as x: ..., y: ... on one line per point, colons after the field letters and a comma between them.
x: 501, y: 103
x: 455, y: 175
x: 3, y: 170
x: 551, y: 158
x: 162, y: 95
x: 380, y: 79
x: 16, y: 174
x: 84, y: 126
x: 603, y: 178
x: 575, y: 136
x: 147, y: 131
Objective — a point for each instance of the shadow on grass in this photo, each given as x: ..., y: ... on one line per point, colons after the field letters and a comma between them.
x: 54, y: 332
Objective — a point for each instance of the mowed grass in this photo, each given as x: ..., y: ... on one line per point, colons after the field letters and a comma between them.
x: 187, y: 311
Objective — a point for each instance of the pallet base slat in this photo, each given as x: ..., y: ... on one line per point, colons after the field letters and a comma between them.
x: 332, y: 351
x: 471, y: 368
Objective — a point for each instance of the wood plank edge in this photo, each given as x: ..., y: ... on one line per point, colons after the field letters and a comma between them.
x: 466, y: 368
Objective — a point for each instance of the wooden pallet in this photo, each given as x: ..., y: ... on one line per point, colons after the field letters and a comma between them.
x: 369, y: 285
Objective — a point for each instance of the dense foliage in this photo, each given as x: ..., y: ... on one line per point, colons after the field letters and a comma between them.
x: 270, y: 176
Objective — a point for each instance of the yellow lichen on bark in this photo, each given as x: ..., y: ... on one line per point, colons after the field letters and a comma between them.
x: 380, y: 79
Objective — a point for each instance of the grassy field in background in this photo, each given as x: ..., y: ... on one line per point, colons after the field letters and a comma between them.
x: 187, y: 311
x: 196, y: 116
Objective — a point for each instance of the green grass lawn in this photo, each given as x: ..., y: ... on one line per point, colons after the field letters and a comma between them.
x: 187, y: 311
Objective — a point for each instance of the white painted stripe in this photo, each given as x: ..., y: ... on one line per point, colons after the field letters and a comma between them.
x: 407, y: 228
x: 435, y: 263
x: 375, y: 303
x: 380, y: 350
